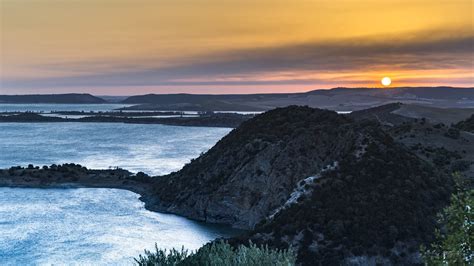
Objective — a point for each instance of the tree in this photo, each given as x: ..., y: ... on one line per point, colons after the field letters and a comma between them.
x: 454, y: 241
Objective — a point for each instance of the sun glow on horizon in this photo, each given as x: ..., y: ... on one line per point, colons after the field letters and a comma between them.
x: 386, y: 81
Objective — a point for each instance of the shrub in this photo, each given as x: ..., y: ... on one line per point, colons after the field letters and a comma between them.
x: 142, y: 176
x: 455, y: 238
x: 162, y: 257
x: 219, y: 253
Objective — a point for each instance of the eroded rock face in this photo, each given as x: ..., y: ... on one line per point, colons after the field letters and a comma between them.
x: 253, y: 170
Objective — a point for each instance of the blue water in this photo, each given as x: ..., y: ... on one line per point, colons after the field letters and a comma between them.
x: 94, y: 226
x: 88, y: 226
x: 153, y: 149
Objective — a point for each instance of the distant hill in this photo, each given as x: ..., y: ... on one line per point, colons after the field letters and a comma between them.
x: 200, y: 102
x: 452, y: 93
x: 340, y: 99
x: 113, y: 99
x: 72, y: 98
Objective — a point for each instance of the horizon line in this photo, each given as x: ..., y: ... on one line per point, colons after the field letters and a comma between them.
x: 233, y: 93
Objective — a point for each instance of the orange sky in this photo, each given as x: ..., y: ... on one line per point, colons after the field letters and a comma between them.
x: 230, y: 46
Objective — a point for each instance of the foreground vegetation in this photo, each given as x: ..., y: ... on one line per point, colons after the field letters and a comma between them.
x: 455, y: 237
x: 219, y: 253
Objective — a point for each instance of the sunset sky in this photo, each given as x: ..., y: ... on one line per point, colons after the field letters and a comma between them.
x: 123, y: 47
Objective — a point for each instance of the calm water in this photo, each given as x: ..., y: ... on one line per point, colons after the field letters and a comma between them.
x: 46, y: 107
x: 153, y: 149
x: 94, y: 226
x: 88, y: 226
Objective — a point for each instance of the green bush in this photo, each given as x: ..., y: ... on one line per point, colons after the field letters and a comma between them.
x: 455, y: 239
x: 162, y: 257
x: 220, y: 253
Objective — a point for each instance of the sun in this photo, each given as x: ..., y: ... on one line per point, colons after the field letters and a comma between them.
x: 386, y: 81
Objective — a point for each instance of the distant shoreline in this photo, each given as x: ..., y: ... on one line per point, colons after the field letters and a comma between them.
x: 226, y: 120
x: 336, y: 98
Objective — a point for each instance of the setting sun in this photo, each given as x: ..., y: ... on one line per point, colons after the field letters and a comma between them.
x: 386, y: 81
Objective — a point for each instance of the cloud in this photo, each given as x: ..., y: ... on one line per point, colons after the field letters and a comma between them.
x: 285, y: 63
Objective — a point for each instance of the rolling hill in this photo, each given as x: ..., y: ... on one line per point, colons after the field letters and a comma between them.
x: 72, y: 98
x: 340, y: 99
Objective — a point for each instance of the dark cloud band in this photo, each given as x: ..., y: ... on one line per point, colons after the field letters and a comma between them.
x: 424, y: 51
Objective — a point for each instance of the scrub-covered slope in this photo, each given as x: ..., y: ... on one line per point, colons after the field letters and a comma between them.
x: 378, y: 205
x: 337, y: 189
x: 466, y: 125
x: 253, y: 170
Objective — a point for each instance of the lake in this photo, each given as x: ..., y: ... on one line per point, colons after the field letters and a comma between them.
x: 153, y: 149
x: 89, y: 225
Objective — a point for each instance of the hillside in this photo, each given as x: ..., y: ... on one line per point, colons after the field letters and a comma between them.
x: 435, y: 115
x: 360, y: 188
x: 72, y: 98
x: 253, y: 169
x: 340, y: 99
x: 447, y: 146
x: 378, y: 205
x: 467, y: 125
x: 196, y: 102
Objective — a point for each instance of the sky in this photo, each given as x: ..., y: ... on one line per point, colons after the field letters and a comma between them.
x: 125, y: 47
